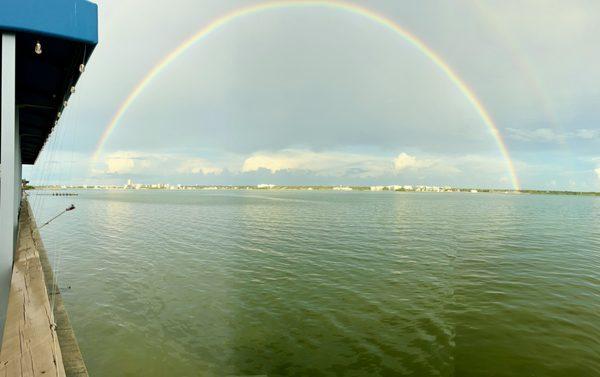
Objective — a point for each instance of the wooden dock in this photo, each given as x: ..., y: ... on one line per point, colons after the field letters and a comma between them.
x: 36, y: 341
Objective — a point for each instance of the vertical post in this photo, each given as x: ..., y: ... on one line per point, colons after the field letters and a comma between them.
x: 8, y: 150
x: 18, y: 170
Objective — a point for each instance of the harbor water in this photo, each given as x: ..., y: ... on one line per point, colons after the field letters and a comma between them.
x: 323, y: 283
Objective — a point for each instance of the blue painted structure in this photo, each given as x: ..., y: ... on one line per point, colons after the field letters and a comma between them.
x: 67, y: 19
x: 67, y: 31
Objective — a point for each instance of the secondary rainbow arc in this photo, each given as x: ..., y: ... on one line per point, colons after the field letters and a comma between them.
x: 204, y: 32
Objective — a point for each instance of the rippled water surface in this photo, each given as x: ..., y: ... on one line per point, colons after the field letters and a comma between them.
x: 300, y: 283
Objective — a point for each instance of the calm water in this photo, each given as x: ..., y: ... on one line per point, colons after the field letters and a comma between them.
x: 220, y: 283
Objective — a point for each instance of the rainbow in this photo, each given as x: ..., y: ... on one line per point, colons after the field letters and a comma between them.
x: 331, y: 4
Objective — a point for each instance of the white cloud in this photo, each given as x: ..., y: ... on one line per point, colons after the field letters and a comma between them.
x: 334, y: 163
x: 286, y: 160
x: 132, y: 162
x: 198, y: 166
x: 364, y: 165
x: 405, y: 161
x: 587, y: 134
x: 125, y: 162
x: 120, y: 165
x: 344, y: 166
x: 597, y: 171
x: 447, y: 166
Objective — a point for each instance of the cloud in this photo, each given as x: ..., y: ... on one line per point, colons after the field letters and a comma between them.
x: 405, y: 161
x: 587, y: 134
x: 198, y: 166
x: 539, y: 135
x: 295, y: 166
x: 286, y: 160
x: 125, y: 162
x: 358, y: 164
x: 134, y: 162
x: 597, y: 171
x: 361, y: 168
x: 548, y: 135
x: 120, y: 165
x: 333, y: 163
x: 444, y: 165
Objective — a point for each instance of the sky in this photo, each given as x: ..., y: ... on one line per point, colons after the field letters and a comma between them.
x: 314, y: 95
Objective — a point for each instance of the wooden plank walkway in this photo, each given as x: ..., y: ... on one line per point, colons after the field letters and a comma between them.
x: 36, y: 342
x: 30, y: 344
x: 71, y: 354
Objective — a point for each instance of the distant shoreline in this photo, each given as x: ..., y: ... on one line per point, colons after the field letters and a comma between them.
x: 391, y: 188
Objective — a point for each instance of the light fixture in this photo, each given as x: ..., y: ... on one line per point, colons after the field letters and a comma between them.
x: 38, y: 48
x: 72, y: 89
x: 81, y: 67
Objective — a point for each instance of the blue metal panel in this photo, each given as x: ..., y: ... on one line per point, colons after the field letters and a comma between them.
x: 68, y: 19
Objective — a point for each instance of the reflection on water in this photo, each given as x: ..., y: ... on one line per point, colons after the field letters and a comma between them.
x: 329, y: 283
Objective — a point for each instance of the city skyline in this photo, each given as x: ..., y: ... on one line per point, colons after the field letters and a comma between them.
x: 131, y: 185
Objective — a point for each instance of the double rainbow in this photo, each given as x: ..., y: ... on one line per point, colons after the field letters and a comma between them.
x: 331, y: 4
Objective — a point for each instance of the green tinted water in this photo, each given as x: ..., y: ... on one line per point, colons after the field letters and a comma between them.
x: 219, y: 283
